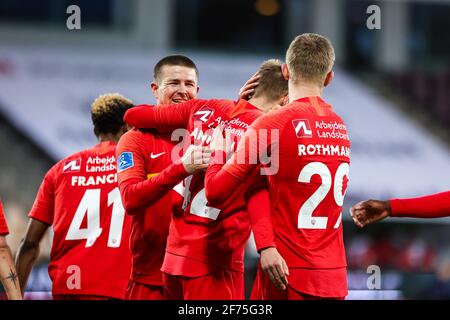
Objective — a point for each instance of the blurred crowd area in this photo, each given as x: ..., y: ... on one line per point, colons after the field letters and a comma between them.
x: 413, y: 258
x: 428, y: 91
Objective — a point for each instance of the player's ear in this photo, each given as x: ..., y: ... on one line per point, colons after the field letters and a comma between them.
x: 285, y: 71
x: 328, y: 78
x: 154, y: 86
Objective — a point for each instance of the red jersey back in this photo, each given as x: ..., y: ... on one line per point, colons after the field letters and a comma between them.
x: 80, y: 198
x: 307, y: 190
x: 141, y: 156
x: 3, y: 226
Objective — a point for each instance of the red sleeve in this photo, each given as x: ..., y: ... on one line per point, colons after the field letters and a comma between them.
x: 137, y: 191
x: 220, y: 182
x: 138, y: 195
x: 165, y: 117
x: 3, y: 226
x: 44, y: 206
x: 432, y: 206
x: 258, y: 209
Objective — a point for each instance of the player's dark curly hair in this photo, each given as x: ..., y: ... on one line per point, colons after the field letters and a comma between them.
x: 107, y: 113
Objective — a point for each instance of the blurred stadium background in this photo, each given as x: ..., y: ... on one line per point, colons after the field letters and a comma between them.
x: 392, y: 87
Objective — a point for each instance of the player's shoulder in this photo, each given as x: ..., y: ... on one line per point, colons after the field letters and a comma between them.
x: 215, y: 104
x: 222, y: 102
x: 134, y: 137
x: 205, y: 109
x: 298, y: 107
x: 336, y: 116
x: 272, y: 119
x: 71, y: 163
x: 142, y: 140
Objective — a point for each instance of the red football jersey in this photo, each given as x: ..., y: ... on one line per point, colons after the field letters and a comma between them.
x: 146, y: 178
x: 307, y: 175
x: 212, y: 236
x: 3, y: 226
x: 80, y: 198
x: 431, y: 206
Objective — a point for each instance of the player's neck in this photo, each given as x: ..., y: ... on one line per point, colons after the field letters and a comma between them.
x: 303, y: 90
x: 261, y: 103
x: 108, y: 137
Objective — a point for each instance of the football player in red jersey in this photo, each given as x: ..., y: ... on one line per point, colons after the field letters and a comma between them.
x: 80, y: 198
x: 307, y: 173
x: 8, y: 274
x: 205, y: 247
x: 430, y: 206
x: 147, y: 174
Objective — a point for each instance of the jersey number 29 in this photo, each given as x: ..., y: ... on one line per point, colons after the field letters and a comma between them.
x: 305, y: 219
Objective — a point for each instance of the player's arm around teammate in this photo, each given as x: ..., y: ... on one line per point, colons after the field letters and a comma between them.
x: 139, y: 193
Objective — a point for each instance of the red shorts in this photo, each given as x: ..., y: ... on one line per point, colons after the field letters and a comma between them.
x: 140, y: 291
x: 80, y: 297
x: 263, y: 289
x: 221, y: 284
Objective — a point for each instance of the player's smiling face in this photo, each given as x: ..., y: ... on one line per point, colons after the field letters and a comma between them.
x: 177, y: 84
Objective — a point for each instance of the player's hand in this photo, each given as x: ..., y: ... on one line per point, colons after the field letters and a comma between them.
x: 273, y: 264
x: 221, y: 140
x: 248, y: 88
x: 196, y: 158
x: 370, y: 211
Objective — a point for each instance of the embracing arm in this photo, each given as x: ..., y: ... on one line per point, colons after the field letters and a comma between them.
x: 219, y: 184
x: 140, y: 190
x: 138, y: 195
x: 166, y: 117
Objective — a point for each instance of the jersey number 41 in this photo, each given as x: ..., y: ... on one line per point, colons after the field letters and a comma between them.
x: 90, y: 206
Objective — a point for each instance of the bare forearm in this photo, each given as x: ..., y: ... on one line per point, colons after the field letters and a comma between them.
x: 8, y: 274
x: 25, y: 259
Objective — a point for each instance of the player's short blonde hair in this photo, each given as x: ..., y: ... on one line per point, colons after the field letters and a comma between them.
x: 272, y: 85
x: 310, y: 57
x: 107, y: 112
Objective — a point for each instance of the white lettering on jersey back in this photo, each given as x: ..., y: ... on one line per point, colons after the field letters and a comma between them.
x: 199, y: 135
x: 84, y: 181
x: 331, y: 129
x: 323, y: 150
x: 101, y: 164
